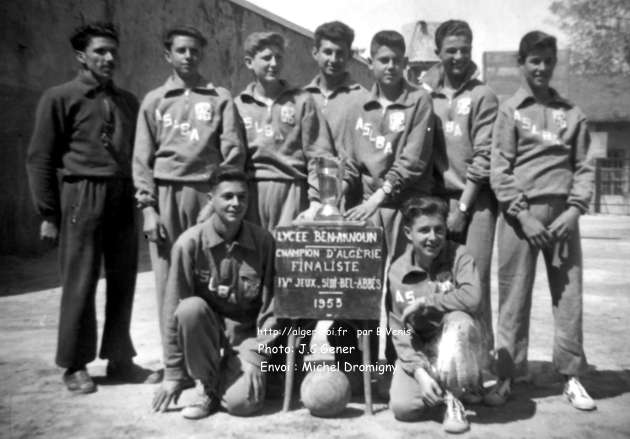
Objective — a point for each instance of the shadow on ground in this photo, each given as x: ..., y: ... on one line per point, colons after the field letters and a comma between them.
x: 601, y: 384
x: 28, y: 274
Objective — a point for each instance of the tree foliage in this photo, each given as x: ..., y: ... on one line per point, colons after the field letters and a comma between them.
x: 599, y: 34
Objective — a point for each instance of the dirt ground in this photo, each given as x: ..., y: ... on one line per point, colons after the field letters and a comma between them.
x: 34, y: 402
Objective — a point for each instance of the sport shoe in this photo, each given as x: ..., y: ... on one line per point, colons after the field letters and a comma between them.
x: 455, y: 420
x: 577, y: 396
x: 79, y: 381
x: 206, y: 404
x: 499, y: 393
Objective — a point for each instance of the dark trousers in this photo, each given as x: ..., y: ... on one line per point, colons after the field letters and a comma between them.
x: 98, y: 223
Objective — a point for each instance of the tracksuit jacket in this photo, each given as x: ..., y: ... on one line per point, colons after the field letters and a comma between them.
x: 466, y: 127
x: 338, y: 108
x: 183, y: 134
x: 284, y: 137
x: 540, y: 150
x: 393, y: 144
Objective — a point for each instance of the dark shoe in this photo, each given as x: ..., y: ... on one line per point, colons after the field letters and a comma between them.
x: 79, y: 381
x: 205, y: 405
x: 127, y: 371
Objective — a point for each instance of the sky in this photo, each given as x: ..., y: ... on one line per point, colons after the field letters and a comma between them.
x: 496, y: 24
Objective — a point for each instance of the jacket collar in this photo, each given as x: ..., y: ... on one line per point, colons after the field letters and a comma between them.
x: 405, y: 265
x: 210, y: 238
x: 348, y: 83
x: 249, y: 94
x: 524, y: 95
x: 91, y: 85
x: 404, y: 100
x: 433, y: 79
x: 175, y: 83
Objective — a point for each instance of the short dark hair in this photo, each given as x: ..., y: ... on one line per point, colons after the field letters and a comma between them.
x: 449, y: 28
x: 334, y: 31
x: 226, y: 173
x: 536, y: 40
x: 187, y: 31
x: 257, y: 41
x: 82, y: 35
x: 425, y: 205
x: 389, y: 38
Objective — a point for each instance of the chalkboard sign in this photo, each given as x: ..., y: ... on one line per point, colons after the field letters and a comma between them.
x: 329, y: 272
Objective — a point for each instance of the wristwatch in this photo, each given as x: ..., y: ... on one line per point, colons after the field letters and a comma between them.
x: 387, y: 187
x: 462, y: 208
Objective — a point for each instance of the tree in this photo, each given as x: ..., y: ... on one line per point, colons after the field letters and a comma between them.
x: 599, y: 33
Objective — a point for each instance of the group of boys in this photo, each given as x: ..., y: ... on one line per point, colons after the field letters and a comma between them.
x: 425, y: 163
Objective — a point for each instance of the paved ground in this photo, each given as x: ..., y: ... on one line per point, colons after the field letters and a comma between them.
x: 33, y: 402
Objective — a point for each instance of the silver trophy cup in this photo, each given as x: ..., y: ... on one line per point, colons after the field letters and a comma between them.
x: 330, y: 179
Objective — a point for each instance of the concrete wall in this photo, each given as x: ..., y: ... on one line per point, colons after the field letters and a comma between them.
x: 36, y: 54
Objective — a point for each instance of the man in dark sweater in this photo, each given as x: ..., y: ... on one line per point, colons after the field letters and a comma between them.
x: 84, y: 131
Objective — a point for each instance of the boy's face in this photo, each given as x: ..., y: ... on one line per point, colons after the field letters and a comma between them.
x: 266, y: 64
x: 455, y: 55
x: 99, y: 57
x: 331, y: 57
x: 427, y: 235
x: 538, y: 67
x: 185, y: 55
x: 387, y: 65
x: 229, y: 201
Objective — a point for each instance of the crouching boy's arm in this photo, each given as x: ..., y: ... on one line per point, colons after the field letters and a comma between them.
x: 180, y: 285
x: 411, y: 358
x: 253, y: 350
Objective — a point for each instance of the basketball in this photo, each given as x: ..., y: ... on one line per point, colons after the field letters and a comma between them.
x: 325, y: 393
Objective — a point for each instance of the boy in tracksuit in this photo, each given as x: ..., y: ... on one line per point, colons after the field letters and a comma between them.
x: 285, y: 132
x: 390, y: 156
x: 218, y: 306
x: 542, y: 174
x: 434, y: 293
x: 339, y: 98
x: 334, y: 91
x: 186, y: 128
x: 466, y: 110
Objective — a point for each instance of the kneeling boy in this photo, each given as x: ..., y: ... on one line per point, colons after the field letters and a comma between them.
x: 218, y: 306
x: 434, y: 291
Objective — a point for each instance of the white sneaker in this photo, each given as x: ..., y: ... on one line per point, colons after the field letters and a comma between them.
x: 455, y: 420
x: 499, y: 393
x: 577, y: 395
x: 205, y: 405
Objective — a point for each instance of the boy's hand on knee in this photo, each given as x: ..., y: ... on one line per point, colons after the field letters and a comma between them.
x: 170, y: 390
x: 253, y: 376
x: 432, y: 393
x: 534, y: 230
x: 565, y: 224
